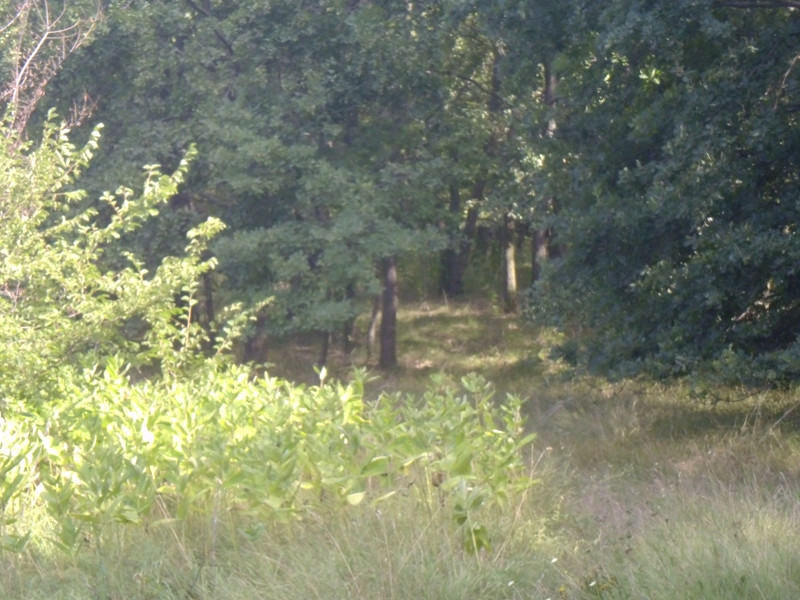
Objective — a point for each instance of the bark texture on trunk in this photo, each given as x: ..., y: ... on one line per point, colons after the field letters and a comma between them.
x: 542, y: 246
x: 372, y: 333
x: 454, y: 260
x: 348, y: 329
x: 540, y: 252
x: 325, y: 343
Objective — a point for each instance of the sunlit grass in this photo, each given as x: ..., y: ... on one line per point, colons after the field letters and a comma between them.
x: 676, y: 530
x: 397, y: 550
x: 645, y: 490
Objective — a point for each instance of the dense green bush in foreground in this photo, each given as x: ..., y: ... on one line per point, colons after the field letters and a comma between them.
x: 110, y: 451
x: 70, y: 295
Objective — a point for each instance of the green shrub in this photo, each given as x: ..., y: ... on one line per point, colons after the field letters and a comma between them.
x: 112, y: 451
x: 61, y: 310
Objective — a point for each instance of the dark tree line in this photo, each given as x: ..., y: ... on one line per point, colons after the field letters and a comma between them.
x: 639, y: 160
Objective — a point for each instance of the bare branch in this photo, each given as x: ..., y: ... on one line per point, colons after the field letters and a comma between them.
x: 43, y: 42
x: 206, y: 11
x: 780, y: 89
x: 758, y: 3
x: 18, y: 14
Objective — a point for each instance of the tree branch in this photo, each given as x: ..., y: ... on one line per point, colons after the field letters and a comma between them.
x: 206, y: 11
x: 43, y: 44
x: 758, y: 3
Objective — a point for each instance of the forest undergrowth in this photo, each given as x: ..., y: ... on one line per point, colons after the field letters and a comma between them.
x: 635, y: 489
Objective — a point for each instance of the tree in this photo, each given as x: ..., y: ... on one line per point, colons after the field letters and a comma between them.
x: 313, y: 138
x: 675, y: 138
x: 61, y: 312
x: 502, y: 119
x: 758, y: 3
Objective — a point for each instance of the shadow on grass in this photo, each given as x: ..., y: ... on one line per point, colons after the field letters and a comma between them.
x: 455, y: 339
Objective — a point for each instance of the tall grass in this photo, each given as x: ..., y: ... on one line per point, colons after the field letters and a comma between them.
x: 644, y: 491
x: 667, y: 537
x: 672, y: 536
x: 397, y: 551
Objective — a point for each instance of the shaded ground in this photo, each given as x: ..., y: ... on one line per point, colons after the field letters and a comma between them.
x: 454, y: 338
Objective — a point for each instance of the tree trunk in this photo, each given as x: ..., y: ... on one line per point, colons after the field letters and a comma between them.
x: 542, y: 248
x: 322, y: 359
x: 510, y: 299
x: 348, y: 329
x: 550, y: 86
x: 255, y: 348
x: 388, y: 333
x: 450, y: 280
x: 373, y: 326
x: 450, y: 276
x: 540, y: 252
x: 455, y: 259
x: 210, y: 316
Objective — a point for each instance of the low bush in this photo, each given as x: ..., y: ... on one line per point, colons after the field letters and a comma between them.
x: 113, y: 451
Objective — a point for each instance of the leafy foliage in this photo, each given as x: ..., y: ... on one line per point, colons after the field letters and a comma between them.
x: 678, y: 190
x: 82, y: 439
x: 112, y: 451
x: 312, y: 135
x: 61, y: 310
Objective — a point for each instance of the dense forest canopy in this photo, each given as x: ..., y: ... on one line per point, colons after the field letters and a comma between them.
x: 631, y: 168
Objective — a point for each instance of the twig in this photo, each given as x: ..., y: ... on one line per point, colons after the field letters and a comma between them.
x: 786, y: 413
x: 758, y: 3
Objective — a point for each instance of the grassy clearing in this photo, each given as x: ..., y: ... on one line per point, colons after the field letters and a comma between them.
x: 672, y: 497
x: 644, y: 492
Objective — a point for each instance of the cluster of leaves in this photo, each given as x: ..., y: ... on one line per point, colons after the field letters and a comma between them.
x: 309, y: 126
x: 677, y: 180
x: 111, y: 451
x: 654, y: 142
x: 62, y: 308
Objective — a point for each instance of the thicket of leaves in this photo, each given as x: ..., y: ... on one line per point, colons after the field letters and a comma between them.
x: 309, y: 119
x: 677, y: 181
x: 651, y: 148
x: 112, y: 411
x: 106, y: 451
x: 68, y: 298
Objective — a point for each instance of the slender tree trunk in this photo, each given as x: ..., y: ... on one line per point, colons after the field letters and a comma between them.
x: 542, y: 248
x: 540, y: 252
x: 388, y: 333
x: 450, y: 283
x: 450, y: 277
x: 510, y: 298
x: 348, y: 329
x: 256, y: 346
x: 208, y: 298
x: 322, y: 359
x: 470, y: 228
x: 373, y: 326
x: 456, y: 259
x: 550, y: 87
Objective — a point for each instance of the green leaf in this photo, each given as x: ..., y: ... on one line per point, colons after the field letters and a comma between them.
x: 378, y: 465
x: 355, y: 498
